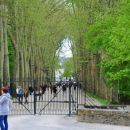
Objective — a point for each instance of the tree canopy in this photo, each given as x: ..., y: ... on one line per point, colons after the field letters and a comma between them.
x: 32, y: 32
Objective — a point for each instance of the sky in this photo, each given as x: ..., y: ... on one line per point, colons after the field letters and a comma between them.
x: 65, y: 50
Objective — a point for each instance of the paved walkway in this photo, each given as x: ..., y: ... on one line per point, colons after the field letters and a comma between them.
x: 55, y: 123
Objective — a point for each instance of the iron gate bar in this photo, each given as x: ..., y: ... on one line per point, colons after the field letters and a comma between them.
x: 62, y: 103
x: 77, y: 95
x: 49, y: 102
x: 35, y: 97
x: 58, y: 101
x: 73, y: 102
x: 18, y: 102
x: 69, y: 100
x: 24, y: 107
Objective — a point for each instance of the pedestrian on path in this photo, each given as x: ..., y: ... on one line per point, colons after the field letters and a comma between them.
x: 20, y: 95
x: 26, y: 96
x: 4, y: 108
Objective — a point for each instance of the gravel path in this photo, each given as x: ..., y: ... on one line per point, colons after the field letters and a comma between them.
x: 55, y: 123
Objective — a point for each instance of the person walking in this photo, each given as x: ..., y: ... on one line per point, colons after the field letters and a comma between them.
x: 26, y: 96
x: 21, y: 94
x: 4, y: 108
x: 17, y: 92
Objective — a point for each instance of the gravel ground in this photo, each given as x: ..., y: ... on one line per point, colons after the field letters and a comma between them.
x: 127, y: 108
x: 47, y: 122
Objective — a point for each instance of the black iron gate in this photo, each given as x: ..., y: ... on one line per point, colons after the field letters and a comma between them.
x: 53, y: 98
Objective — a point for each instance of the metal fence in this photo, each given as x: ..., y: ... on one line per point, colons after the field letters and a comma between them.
x: 52, y: 98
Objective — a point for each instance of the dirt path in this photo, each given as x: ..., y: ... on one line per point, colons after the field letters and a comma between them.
x: 55, y: 123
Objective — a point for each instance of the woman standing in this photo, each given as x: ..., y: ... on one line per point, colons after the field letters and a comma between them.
x: 4, y: 108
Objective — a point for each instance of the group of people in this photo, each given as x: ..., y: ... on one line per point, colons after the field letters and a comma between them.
x: 5, y: 97
x: 4, y: 108
x: 40, y: 90
x: 22, y: 93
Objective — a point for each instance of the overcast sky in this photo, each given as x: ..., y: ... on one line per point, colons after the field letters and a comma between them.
x: 65, y: 50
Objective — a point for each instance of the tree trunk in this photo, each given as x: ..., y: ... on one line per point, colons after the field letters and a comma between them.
x: 1, y: 45
x: 6, y: 75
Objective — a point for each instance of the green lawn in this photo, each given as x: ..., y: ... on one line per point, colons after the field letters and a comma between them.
x: 99, y: 99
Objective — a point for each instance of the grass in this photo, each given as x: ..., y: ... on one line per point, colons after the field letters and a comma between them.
x: 99, y: 99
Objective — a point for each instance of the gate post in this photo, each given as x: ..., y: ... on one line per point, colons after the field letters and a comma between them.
x: 78, y: 87
x: 0, y: 86
x: 34, y: 97
x: 69, y: 100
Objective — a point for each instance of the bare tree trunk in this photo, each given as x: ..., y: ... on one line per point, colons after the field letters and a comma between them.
x: 13, y: 33
x: 6, y: 75
x: 1, y: 44
x: 20, y: 68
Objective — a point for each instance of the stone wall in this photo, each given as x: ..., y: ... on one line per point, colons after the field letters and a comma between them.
x: 104, y: 116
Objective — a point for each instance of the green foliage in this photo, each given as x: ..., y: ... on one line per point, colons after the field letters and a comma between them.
x: 110, y: 36
x: 68, y: 68
x: 11, y: 57
x: 99, y: 99
x: 92, y: 25
x: 38, y: 27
